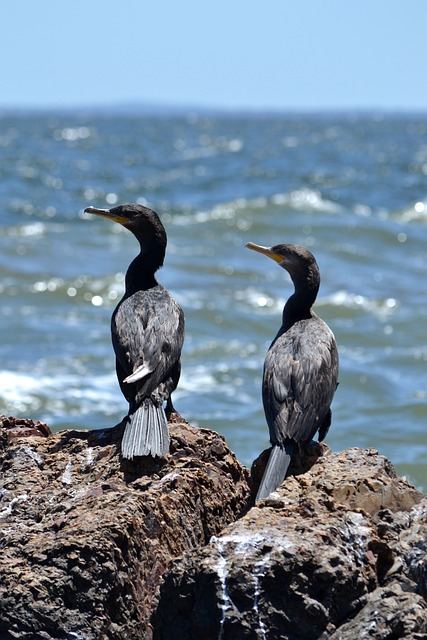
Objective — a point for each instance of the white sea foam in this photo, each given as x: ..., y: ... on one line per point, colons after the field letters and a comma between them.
x: 57, y: 395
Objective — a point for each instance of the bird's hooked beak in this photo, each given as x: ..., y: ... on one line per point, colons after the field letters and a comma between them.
x: 106, y: 213
x: 266, y: 251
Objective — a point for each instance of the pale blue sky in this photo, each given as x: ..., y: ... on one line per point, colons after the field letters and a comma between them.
x: 280, y: 54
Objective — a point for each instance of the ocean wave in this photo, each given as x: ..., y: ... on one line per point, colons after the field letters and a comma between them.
x: 417, y: 212
x: 58, y: 396
x: 352, y: 190
x: 380, y: 308
x: 306, y: 199
x: 269, y: 304
x: 309, y: 200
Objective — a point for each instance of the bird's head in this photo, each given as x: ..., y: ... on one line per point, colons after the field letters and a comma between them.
x: 144, y: 223
x: 289, y: 256
x: 298, y: 261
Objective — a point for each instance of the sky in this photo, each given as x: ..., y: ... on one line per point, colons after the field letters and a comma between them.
x: 233, y: 54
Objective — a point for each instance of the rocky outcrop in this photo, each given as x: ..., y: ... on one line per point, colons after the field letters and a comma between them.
x: 337, y: 553
x: 87, y: 539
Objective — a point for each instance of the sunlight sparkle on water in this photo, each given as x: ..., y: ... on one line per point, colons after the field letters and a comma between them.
x: 97, y: 301
x: 111, y: 198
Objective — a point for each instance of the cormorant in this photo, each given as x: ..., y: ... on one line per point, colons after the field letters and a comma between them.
x: 147, y: 329
x: 300, y: 369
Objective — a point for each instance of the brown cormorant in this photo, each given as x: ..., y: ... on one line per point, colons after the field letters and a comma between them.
x: 300, y: 369
x: 147, y: 329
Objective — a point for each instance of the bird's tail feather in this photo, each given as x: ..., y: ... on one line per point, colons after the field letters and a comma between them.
x: 275, y: 471
x: 146, y: 432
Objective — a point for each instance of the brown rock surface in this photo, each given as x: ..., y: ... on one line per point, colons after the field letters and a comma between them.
x: 85, y: 538
x: 339, y: 552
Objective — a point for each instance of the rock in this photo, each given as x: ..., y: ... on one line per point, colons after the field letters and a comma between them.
x: 86, y: 537
x: 97, y: 548
x: 13, y: 428
x: 388, y: 612
x: 338, y: 552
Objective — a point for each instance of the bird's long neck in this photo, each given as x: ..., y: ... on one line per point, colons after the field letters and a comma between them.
x: 298, y: 306
x: 140, y: 275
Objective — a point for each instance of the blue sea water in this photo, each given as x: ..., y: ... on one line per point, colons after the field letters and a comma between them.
x: 351, y: 187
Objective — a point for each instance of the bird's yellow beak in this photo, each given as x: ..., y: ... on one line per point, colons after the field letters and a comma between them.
x: 106, y: 213
x: 266, y: 251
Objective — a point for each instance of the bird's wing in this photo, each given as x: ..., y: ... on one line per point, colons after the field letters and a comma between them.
x: 139, y: 373
x: 147, y: 337
x: 300, y: 374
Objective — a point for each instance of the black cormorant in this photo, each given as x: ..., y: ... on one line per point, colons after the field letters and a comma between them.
x: 300, y: 369
x: 147, y: 329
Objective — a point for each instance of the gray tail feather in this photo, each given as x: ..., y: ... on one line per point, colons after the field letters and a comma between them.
x: 146, y: 432
x: 275, y: 471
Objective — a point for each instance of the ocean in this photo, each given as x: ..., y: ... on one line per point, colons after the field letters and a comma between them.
x: 350, y: 187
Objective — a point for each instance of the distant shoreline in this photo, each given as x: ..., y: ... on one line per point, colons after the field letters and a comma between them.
x: 163, y: 110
